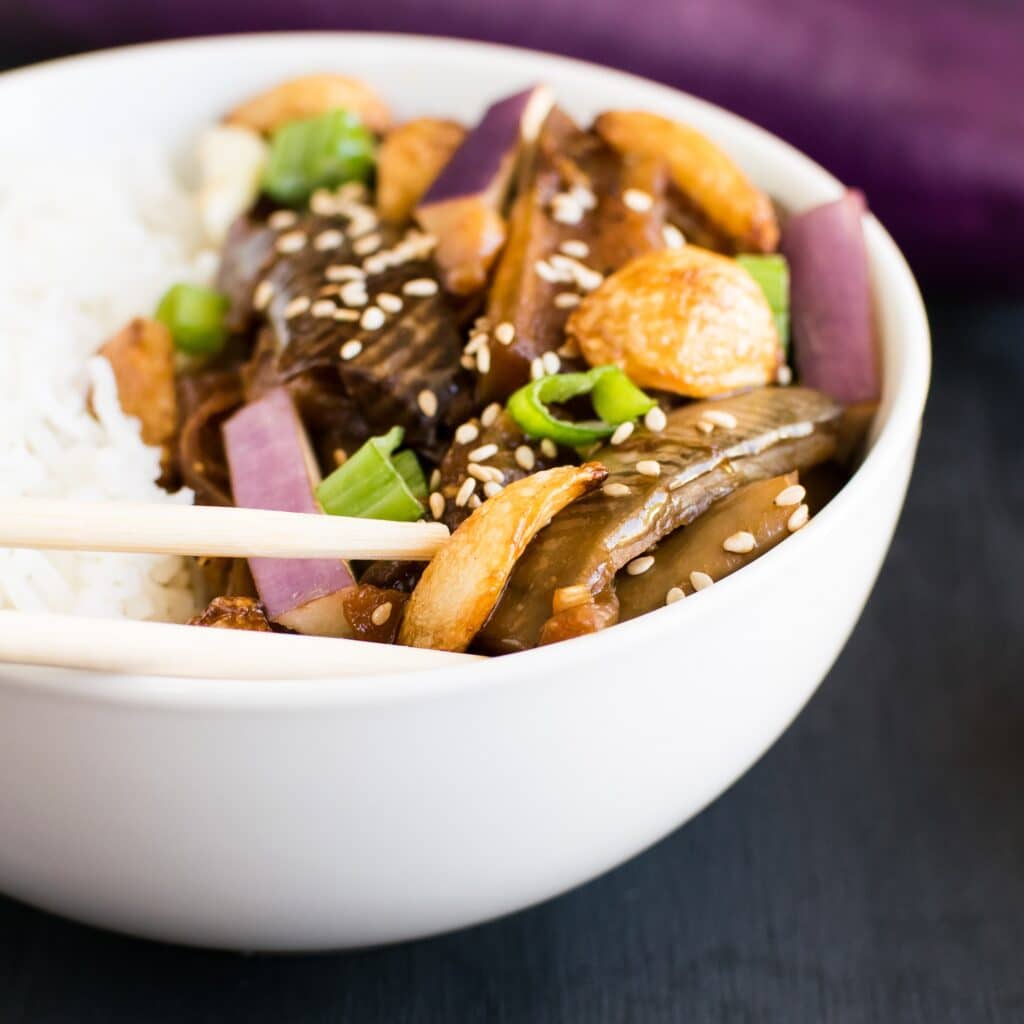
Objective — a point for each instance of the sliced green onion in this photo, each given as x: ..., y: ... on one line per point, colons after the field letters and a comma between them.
x: 613, y: 394
x: 318, y: 152
x: 195, y: 317
x: 616, y: 398
x: 771, y: 272
x: 408, y: 467
x: 372, y: 484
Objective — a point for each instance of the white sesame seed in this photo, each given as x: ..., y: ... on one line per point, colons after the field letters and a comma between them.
x: 478, y: 472
x: 784, y: 375
x: 638, y: 200
x: 622, y: 432
x: 435, y: 479
x: 552, y: 364
x: 377, y: 264
x: 483, y: 453
x: 525, y: 458
x: 656, y: 420
x: 281, y: 219
x: 467, y: 433
x: 718, y: 418
x: 474, y: 501
x: 791, y: 495
x: 700, y: 580
x: 381, y: 614
x: 372, y: 319
x: 465, y: 491
x: 547, y: 272
x: 491, y: 488
x: 360, y: 222
x: 420, y: 286
x: 483, y: 359
x: 588, y: 279
x: 536, y: 368
x: 565, y: 209
x: 584, y: 196
x: 673, y: 237
x: 329, y: 239
x: 674, y: 594
x: 345, y: 315
x: 575, y: 247
x: 293, y: 241
x: 490, y: 414
x: 322, y: 203
x: 299, y: 305
x: 474, y: 343
x: 467, y: 362
x: 615, y: 490
x: 704, y: 427
x: 495, y: 474
x: 262, y: 295
x: 427, y: 401
x: 365, y: 245
x: 322, y: 308
x: 505, y: 333
x: 436, y: 502
x: 566, y: 300
x: 354, y: 294
x: 640, y: 565
x: 798, y: 518
x: 740, y: 543
x: 344, y: 272
x: 351, y: 349
x: 389, y: 303
x: 649, y: 467
x: 548, y: 448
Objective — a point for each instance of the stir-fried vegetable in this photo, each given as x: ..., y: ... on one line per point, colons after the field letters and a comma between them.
x: 461, y: 586
x: 376, y: 484
x: 614, y: 396
x: 771, y: 272
x: 318, y: 152
x: 195, y: 317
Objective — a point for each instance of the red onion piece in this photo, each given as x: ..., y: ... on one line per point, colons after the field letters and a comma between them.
x: 834, y: 343
x: 272, y: 467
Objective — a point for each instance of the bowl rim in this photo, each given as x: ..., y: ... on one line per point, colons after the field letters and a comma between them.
x: 900, y: 426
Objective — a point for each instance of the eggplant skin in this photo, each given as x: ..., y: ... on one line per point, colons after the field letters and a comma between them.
x: 777, y: 430
x: 699, y: 547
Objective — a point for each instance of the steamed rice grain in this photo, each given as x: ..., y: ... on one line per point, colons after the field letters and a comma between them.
x: 83, y: 249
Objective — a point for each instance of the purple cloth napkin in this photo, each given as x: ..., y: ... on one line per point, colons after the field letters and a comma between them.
x: 917, y: 102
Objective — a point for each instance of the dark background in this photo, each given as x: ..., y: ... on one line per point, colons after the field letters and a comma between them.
x: 869, y: 868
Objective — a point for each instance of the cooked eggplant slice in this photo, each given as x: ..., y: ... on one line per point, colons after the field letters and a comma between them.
x: 582, y: 212
x: 344, y: 294
x: 658, y: 482
x: 730, y: 535
x: 494, y: 456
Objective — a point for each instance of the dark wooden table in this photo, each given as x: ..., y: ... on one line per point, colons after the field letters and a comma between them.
x: 869, y: 868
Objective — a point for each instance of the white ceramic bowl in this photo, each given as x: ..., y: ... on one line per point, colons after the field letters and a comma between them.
x: 336, y: 813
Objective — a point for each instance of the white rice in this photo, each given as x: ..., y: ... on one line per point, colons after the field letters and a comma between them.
x: 84, y: 248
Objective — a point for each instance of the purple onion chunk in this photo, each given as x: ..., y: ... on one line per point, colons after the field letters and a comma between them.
x: 272, y: 467
x: 834, y: 344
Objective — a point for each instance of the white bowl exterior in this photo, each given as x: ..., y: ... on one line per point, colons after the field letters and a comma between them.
x: 325, y: 814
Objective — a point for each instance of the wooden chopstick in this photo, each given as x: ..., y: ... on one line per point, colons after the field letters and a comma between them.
x: 205, y: 530
x: 162, y: 649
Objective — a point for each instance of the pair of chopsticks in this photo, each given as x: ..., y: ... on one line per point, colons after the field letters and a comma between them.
x: 169, y: 650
